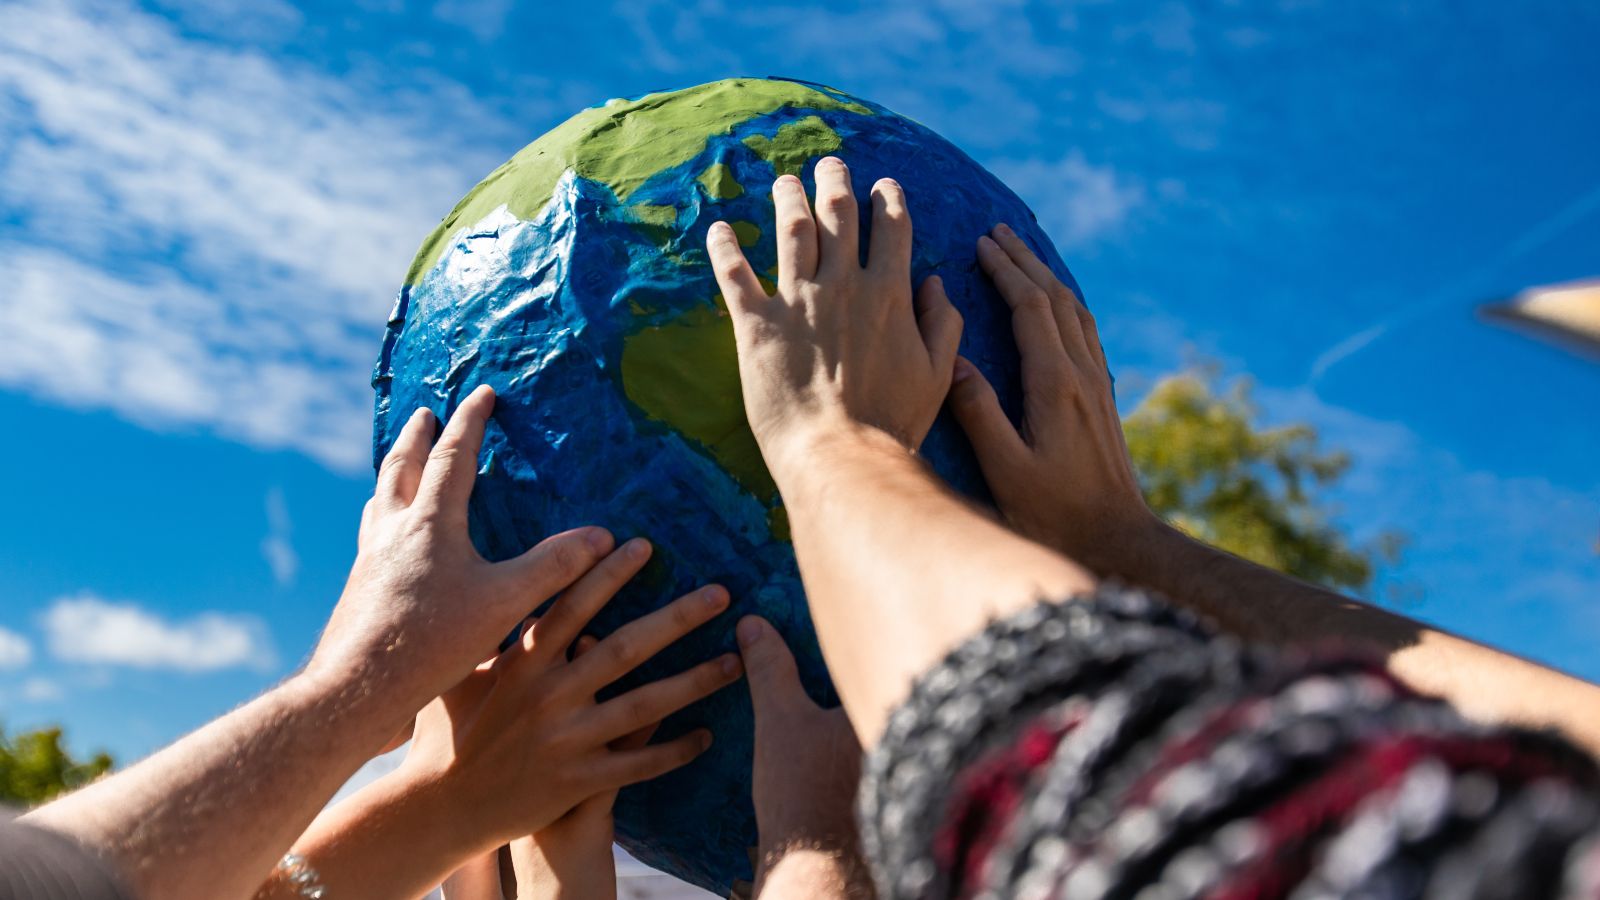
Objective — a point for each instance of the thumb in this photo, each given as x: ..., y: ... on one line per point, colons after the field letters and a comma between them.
x: 769, y: 667
x: 976, y: 408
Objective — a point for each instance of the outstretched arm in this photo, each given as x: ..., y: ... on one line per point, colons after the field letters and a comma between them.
x: 516, y: 745
x: 1070, y: 485
x: 209, y: 816
x: 807, y: 766
x: 843, y: 372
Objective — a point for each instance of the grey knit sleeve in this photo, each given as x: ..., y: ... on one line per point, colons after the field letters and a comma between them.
x: 1110, y: 746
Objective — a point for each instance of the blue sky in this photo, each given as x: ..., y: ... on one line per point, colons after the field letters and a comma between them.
x: 205, y: 210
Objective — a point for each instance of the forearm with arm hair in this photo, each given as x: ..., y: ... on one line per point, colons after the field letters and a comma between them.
x: 898, y: 570
x: 210, y: 815
x: 1257, y: 603
x: 817, y: 874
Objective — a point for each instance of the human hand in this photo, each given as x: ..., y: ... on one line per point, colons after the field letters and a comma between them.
x: 839, y: 345
x: 522, y: 741
x: 807, y: 760
x: 421, y: 606
x: 1065, y: 480
x: 570, y: 859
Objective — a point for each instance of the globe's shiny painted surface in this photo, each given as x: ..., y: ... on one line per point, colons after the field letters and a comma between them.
x: 574, y: 280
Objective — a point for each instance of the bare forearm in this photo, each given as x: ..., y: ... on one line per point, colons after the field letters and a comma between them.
x: 816, y: 874
x: 353, y: 846
x: 563, y: 873
x: 209, y: 816
x: 898, y: 570
x: 476, y: 879
x: 1257, y: 603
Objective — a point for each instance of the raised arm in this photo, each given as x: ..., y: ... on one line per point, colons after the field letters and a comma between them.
x: 1069, y: 484
x: 807, y: 766
x: 516, y: 746
x: 843, y: 372
x: 209, y: 816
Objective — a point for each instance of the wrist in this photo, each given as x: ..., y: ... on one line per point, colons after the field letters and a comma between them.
x: 796, y: 450
x: 1132, y: 550
x: 366, y: 706
x: 446, y: 800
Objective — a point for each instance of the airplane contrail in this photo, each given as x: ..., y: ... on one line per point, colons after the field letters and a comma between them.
x: 1536, y: 236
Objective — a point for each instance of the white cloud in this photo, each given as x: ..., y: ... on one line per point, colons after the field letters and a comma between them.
x: 277, y: 548
x: 199, y: 235
x: 1078, y: 202
x: 87, y: 629
x: 15, y: 651
x: 40, y: 690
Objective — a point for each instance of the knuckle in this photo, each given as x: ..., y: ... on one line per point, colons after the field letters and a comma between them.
x: 446, y: 452
x: 709, y: 676
x: 684, y: 616
x: 1061, y: 391
x: 1034, y: 299
x: 394, y: 463
x: 622, y: 649
x: 636, y: 710
x: 797, y: 226
x: 837, y: 203
x: 568, y: 559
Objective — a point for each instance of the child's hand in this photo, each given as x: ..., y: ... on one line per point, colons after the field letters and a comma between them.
x: 570, y: 859
x: 521, y: 741
x: 807, y: 766
x: 839, y: 345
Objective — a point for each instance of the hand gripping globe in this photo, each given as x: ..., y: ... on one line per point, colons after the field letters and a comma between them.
x: 574, y: 280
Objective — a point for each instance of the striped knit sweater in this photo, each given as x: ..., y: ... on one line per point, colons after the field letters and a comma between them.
x: 1110, y: 747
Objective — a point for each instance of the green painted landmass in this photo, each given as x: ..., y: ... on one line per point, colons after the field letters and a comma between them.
x: 719, y: 182
x: 655, y: 214
x: 795, y: 144
x: 748, y: 233
x: 686, y: 374
x: 622, y: 144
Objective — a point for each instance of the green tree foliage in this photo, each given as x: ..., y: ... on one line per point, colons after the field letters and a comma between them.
x: 34, y: 766
x: 1208, y: 467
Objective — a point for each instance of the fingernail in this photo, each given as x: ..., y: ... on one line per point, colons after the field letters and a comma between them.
x: 748, y: 632
x: 714, y: 597
x: 705, y: 740
x: 831, y: 161
x: 730, y: 665
x: 599, y: 540
x: 637, y: 548
x: 721, y: 228
x: 422, y: 412
x: 964, y: 370
x: 987, y: 242
x: 1003, y: 228
x: 483, y: 389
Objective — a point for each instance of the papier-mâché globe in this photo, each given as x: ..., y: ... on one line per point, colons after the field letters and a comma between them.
x: 574, y: 280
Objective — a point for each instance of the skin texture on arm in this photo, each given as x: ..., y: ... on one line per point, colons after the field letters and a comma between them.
x: 807, y: 766
x: 843, y: 372
x: 1070, y: 485
x: 209, y: 816
x: 476, y: 879
x: 517, y: 745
